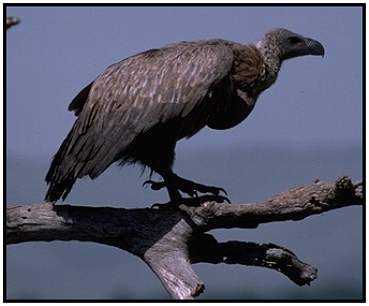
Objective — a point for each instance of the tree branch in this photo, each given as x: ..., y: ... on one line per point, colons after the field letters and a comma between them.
x: 170, y: 240
x: 11, y: 21
x: 205, y: 248
x: 294, y: 204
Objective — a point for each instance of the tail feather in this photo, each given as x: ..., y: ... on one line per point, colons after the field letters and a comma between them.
x: 78, y: 156
x: 59, y: 190
x: 60, y: 176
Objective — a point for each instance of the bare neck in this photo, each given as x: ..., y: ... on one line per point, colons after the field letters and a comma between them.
x: 271, y: 54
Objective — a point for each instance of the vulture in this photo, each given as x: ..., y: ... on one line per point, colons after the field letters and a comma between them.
x: 138, y: 108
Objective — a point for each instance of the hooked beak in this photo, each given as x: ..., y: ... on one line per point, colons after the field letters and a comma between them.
x: 314, y: 47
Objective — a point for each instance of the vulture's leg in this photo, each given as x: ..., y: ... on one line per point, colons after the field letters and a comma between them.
x: 174, y: 194
x: 172, y: 191
x: 175, y: 183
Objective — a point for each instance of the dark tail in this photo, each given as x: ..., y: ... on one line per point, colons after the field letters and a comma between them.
x: 60, y: 176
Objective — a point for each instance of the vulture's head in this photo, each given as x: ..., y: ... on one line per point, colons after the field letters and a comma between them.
x: 286, y: 44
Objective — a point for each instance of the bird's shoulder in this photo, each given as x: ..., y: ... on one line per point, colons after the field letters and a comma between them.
x: 194, y: 63
x: 172, y: 67
x: 248, y: 66
x: 157, y: 84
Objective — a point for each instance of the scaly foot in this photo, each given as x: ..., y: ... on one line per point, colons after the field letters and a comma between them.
x: 185, y: 186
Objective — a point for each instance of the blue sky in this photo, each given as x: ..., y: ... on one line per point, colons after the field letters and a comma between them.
x: 55, y: 52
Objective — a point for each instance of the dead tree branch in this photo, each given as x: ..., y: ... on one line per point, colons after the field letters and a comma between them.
x: 169, y: 241
x: 11, y: 21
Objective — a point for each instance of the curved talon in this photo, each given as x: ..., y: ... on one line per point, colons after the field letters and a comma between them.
x: 192, y: 189
x: 217, y: 190
x: 147, y: 182
x: 226, y: 199
x: 154, y: 185
x: 224, y: 191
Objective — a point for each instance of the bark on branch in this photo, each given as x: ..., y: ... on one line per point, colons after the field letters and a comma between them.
x: 169, y: 241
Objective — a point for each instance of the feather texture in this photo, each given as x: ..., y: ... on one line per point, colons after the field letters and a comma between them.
x: 130, y: 98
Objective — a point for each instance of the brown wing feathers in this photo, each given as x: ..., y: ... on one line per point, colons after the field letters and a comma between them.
x: 79, y: 101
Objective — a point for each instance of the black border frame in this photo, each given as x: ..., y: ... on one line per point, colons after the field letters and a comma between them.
x: 363, y: 7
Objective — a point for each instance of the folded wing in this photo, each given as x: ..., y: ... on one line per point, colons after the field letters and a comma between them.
x: 131, y: 97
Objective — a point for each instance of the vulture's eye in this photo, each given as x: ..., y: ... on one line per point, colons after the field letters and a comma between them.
x: 294, y: 40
